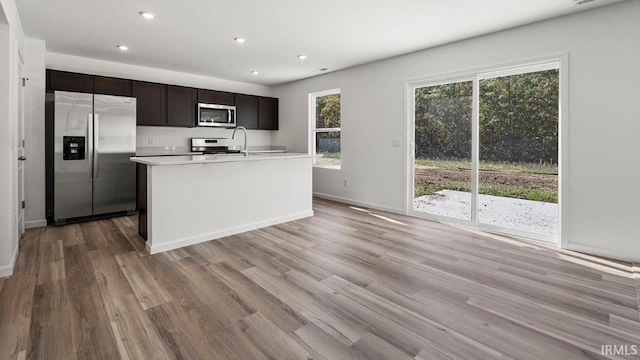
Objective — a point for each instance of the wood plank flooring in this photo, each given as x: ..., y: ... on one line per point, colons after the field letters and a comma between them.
x: 346, y: 284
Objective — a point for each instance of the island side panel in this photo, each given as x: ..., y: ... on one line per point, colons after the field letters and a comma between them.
x: 149, y: 208
x: 189, y: 204
x: 141, y: 199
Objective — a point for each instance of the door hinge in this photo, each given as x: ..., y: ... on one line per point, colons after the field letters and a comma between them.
x: 23, y: 204
x: 24, y: 81
x: 23, y: 143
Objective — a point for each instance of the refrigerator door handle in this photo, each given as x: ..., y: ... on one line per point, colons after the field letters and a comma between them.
x: 89, y: 149
x: 96, y: 148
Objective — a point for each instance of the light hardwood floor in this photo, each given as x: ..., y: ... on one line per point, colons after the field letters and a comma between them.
x: 345, y: 284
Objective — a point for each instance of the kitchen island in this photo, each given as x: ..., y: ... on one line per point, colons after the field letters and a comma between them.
x: 185, y: 200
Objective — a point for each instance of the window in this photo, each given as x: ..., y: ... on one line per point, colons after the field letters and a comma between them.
x: 324, y: 114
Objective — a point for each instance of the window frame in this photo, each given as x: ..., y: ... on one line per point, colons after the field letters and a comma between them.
x: 313, y: 130
x: 557, y: 61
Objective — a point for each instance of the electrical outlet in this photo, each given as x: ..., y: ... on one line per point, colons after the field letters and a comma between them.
x: 346, y: 182
x: 150, y: 141
x: 395, y: 142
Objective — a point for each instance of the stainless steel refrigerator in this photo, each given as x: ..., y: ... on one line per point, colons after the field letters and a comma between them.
x: 94, y: 136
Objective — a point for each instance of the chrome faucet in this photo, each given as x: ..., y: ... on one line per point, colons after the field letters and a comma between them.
x: 244, y: 151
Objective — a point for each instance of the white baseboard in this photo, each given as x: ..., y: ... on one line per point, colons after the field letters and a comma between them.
x: 360, y: 203
x: 607, y: 253
x: 7, y: 270
x: 176, y: 244
x: 35, y: 223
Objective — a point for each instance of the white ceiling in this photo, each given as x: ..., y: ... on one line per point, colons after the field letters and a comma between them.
x: 196, y: 36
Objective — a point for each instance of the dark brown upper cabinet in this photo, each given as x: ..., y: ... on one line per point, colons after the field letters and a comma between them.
x: 112, y: 86
x: 206, y: 96
x: 151, y: 102
x: 181, y: 106
x: 68, y: 81
x: 224, y: 98
x: 216, y: 97
x: 267, y: 113
x: 170, y: 105
x: 247, y: 111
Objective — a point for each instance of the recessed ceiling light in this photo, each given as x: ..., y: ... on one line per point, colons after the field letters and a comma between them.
x: 123, y: 47
x: 240, y: 40
x: 254, y: 72
x: 302, y: 57
x: 147, y: 15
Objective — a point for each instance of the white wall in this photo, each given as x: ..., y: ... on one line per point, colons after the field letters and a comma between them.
x: 603, y: 169
x: 11, y: 38
x: 34, y: 178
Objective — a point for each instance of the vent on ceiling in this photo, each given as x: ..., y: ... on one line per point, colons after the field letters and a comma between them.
x: 582, y: 2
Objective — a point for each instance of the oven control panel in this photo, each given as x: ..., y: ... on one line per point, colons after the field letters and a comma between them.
x: 209, y: 145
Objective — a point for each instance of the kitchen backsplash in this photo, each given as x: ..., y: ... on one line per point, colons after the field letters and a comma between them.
x: 180, y: 138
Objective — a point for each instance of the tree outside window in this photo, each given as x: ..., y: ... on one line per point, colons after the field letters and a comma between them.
x: 326, y: 128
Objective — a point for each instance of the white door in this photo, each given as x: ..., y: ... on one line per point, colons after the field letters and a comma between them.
x: 21, y: 143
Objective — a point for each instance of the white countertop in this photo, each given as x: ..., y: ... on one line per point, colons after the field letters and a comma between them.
x: 164, y: 151
x: 213, y: 158
x: 178, y: 150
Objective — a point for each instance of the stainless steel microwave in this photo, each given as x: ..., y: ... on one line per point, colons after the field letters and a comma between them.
x: 216, y: 115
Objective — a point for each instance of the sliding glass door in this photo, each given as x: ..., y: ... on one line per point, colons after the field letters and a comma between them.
x: 442, y: 183
x: 486, y: 150
x: 518, y: 167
